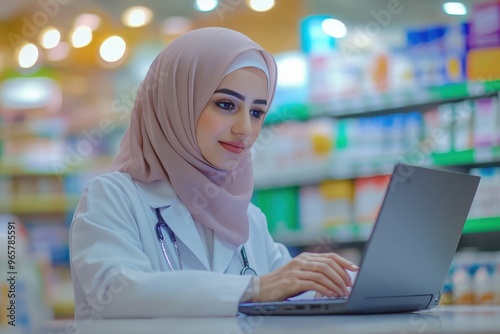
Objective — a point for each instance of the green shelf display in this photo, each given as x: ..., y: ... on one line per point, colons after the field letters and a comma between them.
x: 465, y: 90
x: 453, y: 158
x: 288, y: 112
x: 465, y: 157
x: 482, y: 225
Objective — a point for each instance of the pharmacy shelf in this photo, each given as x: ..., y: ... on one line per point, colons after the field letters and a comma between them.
x: 482, y: 225
x: 467, y: 157
x: 291, y: 176
x: 338, y: 169
x: 88, y: 164
x: 40, y: 204
x: 386, y: 103
x: 335, y: 169
x: 357, y: 234
x: 349, y: 234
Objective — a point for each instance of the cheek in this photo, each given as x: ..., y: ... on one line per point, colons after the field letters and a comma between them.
x: 255, y: 132
x: 209, y: 126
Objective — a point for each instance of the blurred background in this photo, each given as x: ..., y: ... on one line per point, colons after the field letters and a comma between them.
x: 362, y: 85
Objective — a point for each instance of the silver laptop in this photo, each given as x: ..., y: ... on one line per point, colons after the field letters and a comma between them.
x: 407, y: 257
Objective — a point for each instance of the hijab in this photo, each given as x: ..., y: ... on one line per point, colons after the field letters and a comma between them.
x: 160, y: 142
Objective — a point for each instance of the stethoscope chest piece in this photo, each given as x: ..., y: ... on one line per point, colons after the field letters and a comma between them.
x: 247, y: 270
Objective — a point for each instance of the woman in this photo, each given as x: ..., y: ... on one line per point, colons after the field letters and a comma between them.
x: 183, y: 175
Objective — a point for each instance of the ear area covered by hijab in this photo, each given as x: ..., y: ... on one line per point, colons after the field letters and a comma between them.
x: 160, y: 142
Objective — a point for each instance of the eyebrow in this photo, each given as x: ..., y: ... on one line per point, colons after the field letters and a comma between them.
x: 238, y: 95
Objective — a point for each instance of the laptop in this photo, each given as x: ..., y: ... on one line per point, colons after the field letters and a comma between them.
x: 407, y: 257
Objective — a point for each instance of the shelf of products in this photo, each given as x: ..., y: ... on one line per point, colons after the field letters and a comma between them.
x: 357, y: 234
x: 40, y: 204
x: 385, y: 103
x: 477, y: 155
x: 325, y: 167
x: 482, y: 225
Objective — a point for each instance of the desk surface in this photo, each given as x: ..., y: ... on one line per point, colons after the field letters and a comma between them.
x: 451, y: 319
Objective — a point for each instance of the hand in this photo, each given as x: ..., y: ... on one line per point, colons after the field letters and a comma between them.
x: 324, y: 273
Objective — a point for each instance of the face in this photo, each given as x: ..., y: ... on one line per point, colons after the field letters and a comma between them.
x: 231, y: 121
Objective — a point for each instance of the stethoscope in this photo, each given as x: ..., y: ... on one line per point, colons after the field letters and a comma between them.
x: 247, y: 270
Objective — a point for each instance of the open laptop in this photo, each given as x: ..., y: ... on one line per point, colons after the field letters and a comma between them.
x: 407, y: 257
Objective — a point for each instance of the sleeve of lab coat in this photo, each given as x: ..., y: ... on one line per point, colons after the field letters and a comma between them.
x: 116, y: 276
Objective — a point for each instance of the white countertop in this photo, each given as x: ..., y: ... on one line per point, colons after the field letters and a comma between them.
x: 444, y: 319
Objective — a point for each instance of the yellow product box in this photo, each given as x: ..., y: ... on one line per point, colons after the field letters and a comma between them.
x: 482, y: 64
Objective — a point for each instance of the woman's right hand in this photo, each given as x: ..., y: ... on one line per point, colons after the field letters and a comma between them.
x: 324, y: 273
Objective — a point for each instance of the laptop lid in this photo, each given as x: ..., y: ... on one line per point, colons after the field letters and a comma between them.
x: 415, y: 236
x: 408, y: 255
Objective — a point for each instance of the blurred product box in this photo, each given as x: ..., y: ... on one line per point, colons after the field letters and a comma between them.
x: 463, y: 121
x: 5, y: 193
x: 487, y: 199
x: 370, y: 144
x: 446, y: 125
x: 486, y: 122
x: 328, y: 206
x: 473, y: 279
x: 280, y: 206
x: 438, y: 53
x: 334, y: 76
x: 482, y: 64
x: 485, y: 25
x: 23, y: 292
x: 293, y: 151
x: 455, y: 52
x: 368, y: 196
x: 484, y: 42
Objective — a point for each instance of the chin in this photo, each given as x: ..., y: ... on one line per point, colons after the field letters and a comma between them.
x: 229, y: 164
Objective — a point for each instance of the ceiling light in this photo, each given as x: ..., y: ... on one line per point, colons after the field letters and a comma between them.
x: 28, y: 93
x: 82, y: 36
x: 137, y: 16
x: 261, y: 5
x: 334, y: 28
x: 50, y: 37
x: 28, y: 56
x: 205, y: 5
x: 113, y: 49
x: 454, y: 8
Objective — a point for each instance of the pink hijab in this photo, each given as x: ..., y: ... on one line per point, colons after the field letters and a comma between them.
x: 160, y: 142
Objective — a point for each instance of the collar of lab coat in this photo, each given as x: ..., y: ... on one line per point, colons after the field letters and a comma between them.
x: 160, y: 194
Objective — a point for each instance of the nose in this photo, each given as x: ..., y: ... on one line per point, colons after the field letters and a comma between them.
x: 243, y: 124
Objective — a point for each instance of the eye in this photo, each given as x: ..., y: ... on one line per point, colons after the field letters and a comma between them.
x: 225, y: 105
x: 257, y: 113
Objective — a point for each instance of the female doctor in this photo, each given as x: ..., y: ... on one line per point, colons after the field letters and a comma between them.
x: 171, y: 230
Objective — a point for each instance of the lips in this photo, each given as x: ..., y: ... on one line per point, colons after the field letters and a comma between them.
x: 233, y: 146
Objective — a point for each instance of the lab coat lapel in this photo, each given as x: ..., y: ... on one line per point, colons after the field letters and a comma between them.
x: 223, y: 254
x: 159, y: 194
x: 182, y: 224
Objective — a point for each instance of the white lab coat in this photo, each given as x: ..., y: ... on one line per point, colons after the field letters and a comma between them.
x: 118, y: 268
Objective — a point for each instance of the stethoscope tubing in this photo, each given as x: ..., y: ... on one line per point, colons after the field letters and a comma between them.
x: 161, y: 223
x: 159, y: 235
